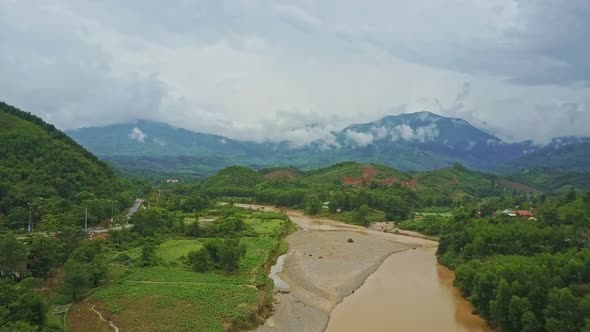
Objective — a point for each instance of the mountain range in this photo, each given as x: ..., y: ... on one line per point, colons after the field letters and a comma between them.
x: 409, y: 142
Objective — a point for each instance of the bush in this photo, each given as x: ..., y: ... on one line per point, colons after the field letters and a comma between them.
x: 199, y: 260
x: 148, y: 253
x: 226, y: 254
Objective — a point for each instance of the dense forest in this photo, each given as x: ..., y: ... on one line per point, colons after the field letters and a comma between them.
x: 44, y: 172
x: 522, y: 274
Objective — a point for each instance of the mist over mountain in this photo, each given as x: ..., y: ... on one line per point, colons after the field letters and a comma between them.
x: 411, y: 142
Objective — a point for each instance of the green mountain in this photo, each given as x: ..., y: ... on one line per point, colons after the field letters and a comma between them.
x: 37, y: 161
x: 572, y: 156
x: 149, y: 138
x: 420, y: 141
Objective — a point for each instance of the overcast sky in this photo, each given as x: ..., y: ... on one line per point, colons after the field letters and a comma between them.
x: 297, y: 69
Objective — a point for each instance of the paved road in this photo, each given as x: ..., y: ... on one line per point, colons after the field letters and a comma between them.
x: 133, y: 208
x: 129, y: 212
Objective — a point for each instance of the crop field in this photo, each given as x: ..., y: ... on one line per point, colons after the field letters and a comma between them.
x: 171, y: 297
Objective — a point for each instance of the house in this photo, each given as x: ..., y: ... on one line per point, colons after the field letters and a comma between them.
x: 172, y: 181
x: 524, y: 213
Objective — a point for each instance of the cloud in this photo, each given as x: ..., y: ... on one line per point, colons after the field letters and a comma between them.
x: 138, y: 135
x: 359, y: 139
x: 298, y: 70
x: 380, y: 132
x: 421, y: 134
x: 158, y: 141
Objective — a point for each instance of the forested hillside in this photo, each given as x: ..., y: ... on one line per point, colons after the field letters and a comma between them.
x: 551, y: 180
x: 521, y: 274
x: 41, y: 166
x: 49, y: 187
x: 573, y: 157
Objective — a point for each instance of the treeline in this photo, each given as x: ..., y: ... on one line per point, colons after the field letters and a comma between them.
x: 524, y: 274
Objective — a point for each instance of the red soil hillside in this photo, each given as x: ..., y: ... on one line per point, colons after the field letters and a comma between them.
x: 369, y: 174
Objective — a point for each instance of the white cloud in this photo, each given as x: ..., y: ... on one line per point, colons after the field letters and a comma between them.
x: 380, y: 132
x: 359, y: 139
x: 138, y: 135
x: 296, y: 70
x: 407, y: 133
x: 158, y: 141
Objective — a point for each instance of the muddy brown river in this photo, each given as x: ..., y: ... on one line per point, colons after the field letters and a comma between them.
x: 409, y: 292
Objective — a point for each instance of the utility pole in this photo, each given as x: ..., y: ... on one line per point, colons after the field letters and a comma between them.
x: 86, y: 221
x: 112, y: 210
x: 30, y: 228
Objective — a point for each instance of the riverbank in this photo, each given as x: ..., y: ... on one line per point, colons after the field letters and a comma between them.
x: 326, y: 262
x: 340, y: 277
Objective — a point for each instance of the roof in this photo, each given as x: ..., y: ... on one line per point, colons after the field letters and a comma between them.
x: 524, y: 213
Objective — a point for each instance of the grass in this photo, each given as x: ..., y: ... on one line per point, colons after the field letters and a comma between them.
x: 172, y: 297
x: 173, y: 250
x: 179, y: 307
x: 348, y: 216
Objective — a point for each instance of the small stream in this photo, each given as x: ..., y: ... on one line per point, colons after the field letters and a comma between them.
x: 280, y: 284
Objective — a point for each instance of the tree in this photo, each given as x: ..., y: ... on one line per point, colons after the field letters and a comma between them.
x: 571, y: 195
x: 70, y: 237
x: 77, y: 278
x: 148, y: 253
x: 21, y: 309
x: 225, y: 254
x: 230, y: 254
x: 195, y: 202
x: 361, y: 215
x: 199, y: 260
x: 45, y: 253
x: 13, y: 257
x: 516, y: 310
x: 500, y: 306
x: 153, y: 221
x: 312, y: 205
x: 529, y: 322
x: 194, y: 229
x: 563, y: 311
x: 89, y: 254
x: 18, y: 217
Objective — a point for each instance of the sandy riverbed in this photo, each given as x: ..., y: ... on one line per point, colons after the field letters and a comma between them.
x: 322, y: 267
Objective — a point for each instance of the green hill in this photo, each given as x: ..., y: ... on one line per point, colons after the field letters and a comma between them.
x: 37, y: 161
x: 456, y: 182
x: 553, y: 180
x: 353, y: 173
x: 233, y: 181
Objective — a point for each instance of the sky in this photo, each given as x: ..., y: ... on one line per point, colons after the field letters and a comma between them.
x: 296, y: 70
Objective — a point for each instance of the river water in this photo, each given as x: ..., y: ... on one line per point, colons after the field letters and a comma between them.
x: 409, y: 292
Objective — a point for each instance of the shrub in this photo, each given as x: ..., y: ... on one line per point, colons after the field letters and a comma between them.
x: 199, y: 260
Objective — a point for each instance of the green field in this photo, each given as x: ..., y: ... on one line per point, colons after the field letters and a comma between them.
x: 171, y: 297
